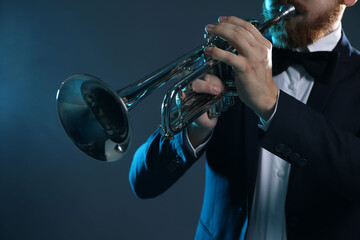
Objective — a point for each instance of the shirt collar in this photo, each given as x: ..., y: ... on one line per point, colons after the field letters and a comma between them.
x: 327, y: 43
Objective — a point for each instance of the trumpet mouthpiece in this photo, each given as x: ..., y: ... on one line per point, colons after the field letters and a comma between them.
x: 287, y: 11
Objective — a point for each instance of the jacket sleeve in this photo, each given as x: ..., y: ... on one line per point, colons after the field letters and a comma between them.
x: 309, y: 140
x: 158, y: 164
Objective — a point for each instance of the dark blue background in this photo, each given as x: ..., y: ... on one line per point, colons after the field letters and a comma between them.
x: 48, y: 188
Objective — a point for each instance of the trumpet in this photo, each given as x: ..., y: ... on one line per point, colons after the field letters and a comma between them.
x: 96, y: 118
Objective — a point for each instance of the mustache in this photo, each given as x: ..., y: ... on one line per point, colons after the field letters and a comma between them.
x: 274, y: 6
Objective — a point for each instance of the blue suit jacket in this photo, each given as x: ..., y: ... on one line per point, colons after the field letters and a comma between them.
x: 320, y: 140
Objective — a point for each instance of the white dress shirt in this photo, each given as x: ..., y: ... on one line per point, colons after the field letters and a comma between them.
x: 267, y: 217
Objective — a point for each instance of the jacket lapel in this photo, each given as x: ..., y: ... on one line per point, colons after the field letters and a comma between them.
x: 321, y: 92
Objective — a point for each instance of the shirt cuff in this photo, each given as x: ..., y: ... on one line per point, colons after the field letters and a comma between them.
x: 189, y: 146
x: 264, y: 125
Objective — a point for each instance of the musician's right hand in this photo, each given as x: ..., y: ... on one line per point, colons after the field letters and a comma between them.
x: 200, y: 129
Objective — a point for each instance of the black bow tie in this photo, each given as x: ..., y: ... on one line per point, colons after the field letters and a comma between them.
x: 320, y: 65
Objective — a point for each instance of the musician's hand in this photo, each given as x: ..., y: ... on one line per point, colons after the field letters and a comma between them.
x: 199, y: 130
x: 252, y: 65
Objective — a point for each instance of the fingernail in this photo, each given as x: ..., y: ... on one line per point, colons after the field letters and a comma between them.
x: 208, y: 49
x: 222, y: 18
x: 217, y: 90
x: 210, y: 26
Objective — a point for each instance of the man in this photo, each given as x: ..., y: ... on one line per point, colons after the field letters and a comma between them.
x: 296, y: 175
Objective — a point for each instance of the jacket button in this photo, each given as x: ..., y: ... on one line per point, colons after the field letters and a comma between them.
x: 286, y: 152
x: 294, y: 157
x: 302, y: 162
x: 279, y: 148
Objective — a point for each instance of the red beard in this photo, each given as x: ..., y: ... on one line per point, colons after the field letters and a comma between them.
x: 299, y: 34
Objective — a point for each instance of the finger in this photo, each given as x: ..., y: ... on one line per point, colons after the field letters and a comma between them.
x: 248, y: 26
x: 183, y: 95
x: 214, y: 80
x: 238, y: 37
x: 236, y: 61
x: 201, y: 86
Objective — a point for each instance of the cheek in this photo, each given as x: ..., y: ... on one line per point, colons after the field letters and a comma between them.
x: 317, y: 7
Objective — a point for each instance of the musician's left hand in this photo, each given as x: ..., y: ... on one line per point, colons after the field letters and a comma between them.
x: 252, y: 65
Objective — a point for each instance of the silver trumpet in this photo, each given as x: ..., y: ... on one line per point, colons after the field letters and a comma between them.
x: 96, y: 118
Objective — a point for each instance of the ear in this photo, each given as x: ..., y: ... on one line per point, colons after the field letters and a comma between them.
x: 349, y: 3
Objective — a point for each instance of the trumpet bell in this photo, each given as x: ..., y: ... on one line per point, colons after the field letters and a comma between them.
x: 94, y: 117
